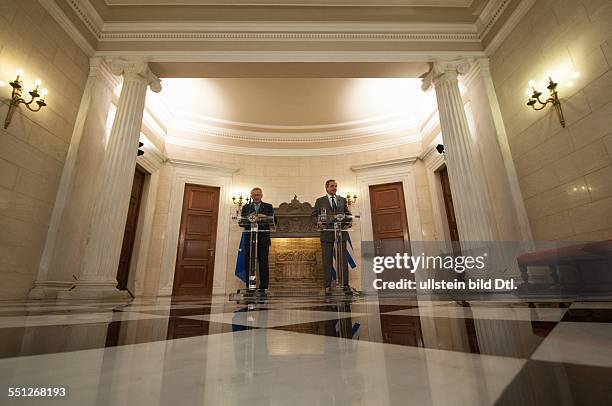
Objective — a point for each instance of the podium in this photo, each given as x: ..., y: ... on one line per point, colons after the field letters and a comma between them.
x: 340, y: 224
x: 253, y: 225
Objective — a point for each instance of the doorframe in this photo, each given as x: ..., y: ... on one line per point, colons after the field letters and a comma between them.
x: 204, y: 175
x: 392, y: 171
x: 150, y: 163
x: 433, y: 163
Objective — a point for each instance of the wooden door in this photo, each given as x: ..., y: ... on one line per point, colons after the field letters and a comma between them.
x: 389, y: 220
x: 390, y: 225
x: 130, y: 230
x: 195, y: 260
x: 448, y: 205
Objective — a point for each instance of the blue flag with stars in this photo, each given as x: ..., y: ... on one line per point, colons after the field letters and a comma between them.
x: 241, y: 268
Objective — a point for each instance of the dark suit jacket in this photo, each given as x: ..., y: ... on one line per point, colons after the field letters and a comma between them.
x: 264, y: 208
x: 323, y: 203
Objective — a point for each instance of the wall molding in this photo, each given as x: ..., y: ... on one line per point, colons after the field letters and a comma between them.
x: 375, y: 173
x: 206, y: 175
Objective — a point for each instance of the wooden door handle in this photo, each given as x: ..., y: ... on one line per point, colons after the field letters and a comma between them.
x: 212, y: 252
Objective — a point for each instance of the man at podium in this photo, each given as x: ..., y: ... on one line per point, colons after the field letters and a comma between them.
x: 262, y: 210
x: 331, y: 204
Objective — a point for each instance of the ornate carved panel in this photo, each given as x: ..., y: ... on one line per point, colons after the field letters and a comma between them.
x: 293, y: 220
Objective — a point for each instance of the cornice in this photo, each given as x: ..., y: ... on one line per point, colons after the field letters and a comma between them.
x: 288, y: 31
x: 88, y: 15
x: 64, y: 22
x: 183, y: 163
x: 490, y: 15
x: 152, y: 159
x: 516, y: 16
x: 303, y: 137
x: 337, y: 150
x: 431, y: 158
x: 295, y: 56
x: 283, y: 31
x: 392, y: 163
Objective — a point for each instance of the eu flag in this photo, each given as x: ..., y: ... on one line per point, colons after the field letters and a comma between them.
x: 241, y: 269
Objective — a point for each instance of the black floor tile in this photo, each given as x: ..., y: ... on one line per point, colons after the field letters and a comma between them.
x: 542, y: 383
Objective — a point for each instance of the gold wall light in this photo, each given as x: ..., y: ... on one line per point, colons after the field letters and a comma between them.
x: 17, y: 99
x: 350, y: 200
x: 534, y: 97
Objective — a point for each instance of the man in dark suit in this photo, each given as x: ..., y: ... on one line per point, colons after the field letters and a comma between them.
x: 332, y: 204
x: 262, y: 210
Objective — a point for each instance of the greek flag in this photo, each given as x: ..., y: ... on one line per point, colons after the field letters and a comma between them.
x: 350, y: 257
x: 241, y: 268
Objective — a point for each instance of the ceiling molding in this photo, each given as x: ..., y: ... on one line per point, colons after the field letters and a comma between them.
x: 184, y: 163
x: 392, y: 163
x: 248, y: 31
x: 339, y: 150
x: 381, y: 3
x: 70, y: 29
x: 350, y: 134
x: 295, y: 56
x: 285, y: 31
x: 216, y: 122
x: 490, y: 15
x: 88, y: 15
x: 519, y: 12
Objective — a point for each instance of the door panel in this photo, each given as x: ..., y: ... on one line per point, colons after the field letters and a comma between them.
x: 390, y: 225
x: 195, y: 260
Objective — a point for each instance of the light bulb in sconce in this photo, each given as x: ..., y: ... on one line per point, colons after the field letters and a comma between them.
x: 549, y: 75
x: 17, y: 97
x: 532, y: 84
x: 528, y: 92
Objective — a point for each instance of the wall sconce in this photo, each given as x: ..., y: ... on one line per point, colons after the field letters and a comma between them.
x: 239, y: 202
x: 16, y: 98
x: 350, y: 200
x: 440, y: 149
x: 534, y: 97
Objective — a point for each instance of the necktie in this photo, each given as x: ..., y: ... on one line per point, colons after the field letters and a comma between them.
x: 334, y: 206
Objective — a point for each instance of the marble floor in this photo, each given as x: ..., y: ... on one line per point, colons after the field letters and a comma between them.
x: 309, y: 351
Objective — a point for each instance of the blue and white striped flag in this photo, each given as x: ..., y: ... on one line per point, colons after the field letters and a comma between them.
x: 350, y: 257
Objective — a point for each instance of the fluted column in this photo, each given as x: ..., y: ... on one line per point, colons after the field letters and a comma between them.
x: 97, y: 276
x: 464, y: 172
x: 63, y: 245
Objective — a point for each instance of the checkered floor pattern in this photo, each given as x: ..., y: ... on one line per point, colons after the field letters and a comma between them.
x: 362, y: 350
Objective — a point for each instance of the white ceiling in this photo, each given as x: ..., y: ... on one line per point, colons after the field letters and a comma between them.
x: 295, y: 113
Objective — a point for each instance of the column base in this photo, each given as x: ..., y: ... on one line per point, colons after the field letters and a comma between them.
x: 48, y: 289
x: 96, y: 290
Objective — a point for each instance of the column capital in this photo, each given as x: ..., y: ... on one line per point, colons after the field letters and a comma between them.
x: 441, y: 71
x: 135, y: 69
x: 479, y: 66
x: 99, y: 69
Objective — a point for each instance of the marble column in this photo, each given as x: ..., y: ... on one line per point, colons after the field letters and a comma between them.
x: 509, y: 208
x: 470, y: 201
x: 97, y: 276
x: 72, y: 209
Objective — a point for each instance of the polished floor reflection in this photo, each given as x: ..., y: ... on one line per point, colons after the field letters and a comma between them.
x: 311, y: 351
